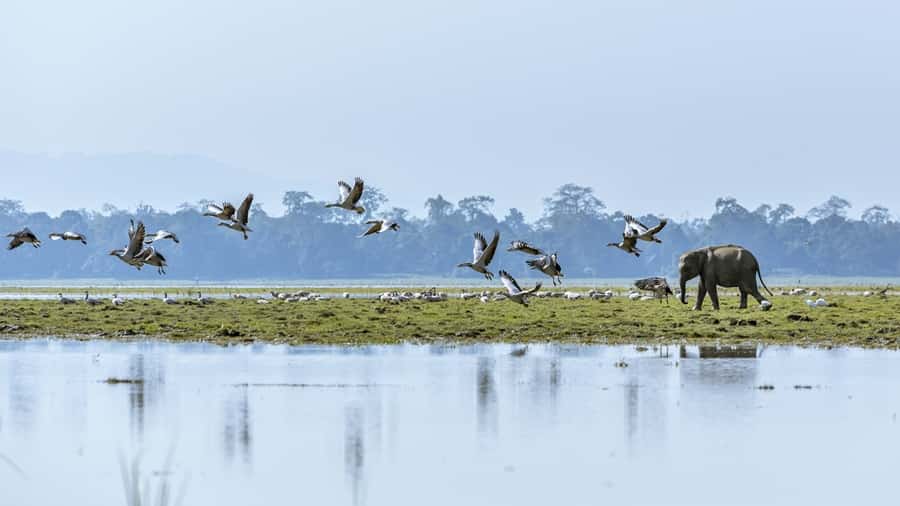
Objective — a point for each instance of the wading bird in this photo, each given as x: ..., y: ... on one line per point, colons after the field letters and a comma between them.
x: 524, y: 247
x: 635, y: 228
x: 379, y: 226
x: 482, y: 254
x: 659, y: 287
x: 514, y: 292
x: 549, y: 265
x: 68, y: 236
x: 21, y: 237
x: 349, y: 197
x: 239, y: 224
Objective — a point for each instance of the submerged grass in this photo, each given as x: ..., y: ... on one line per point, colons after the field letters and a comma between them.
x: 854, y: 320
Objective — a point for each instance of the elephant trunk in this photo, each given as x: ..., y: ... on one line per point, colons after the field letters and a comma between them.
x: 683, y: 295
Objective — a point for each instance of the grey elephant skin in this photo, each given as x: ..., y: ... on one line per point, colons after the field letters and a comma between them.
x: 726, y: 265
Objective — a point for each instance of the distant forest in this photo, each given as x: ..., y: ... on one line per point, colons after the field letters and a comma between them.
x: 310, y: 242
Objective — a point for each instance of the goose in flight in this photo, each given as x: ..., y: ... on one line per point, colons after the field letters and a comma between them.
x: 225, y: 212
x: 549, y: 265
x: 514, y: 292
x: 639, y: 230
x: 68, y: 236
x: 131, y: 254
x: 379, y: 226
x: 239, y: 224
x: 524, y: 247
x: 482, y: 255
x: 349, y: 197
x: 628, y: 245
x: 152, y: 257
x: 162, y: 235
x: 21, y: 237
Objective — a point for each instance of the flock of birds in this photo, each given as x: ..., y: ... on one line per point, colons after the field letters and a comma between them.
x: 140, y: 249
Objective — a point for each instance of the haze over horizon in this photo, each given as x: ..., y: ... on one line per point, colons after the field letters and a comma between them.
x: 661, y: 107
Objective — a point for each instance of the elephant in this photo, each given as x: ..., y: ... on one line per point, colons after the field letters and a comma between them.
x: 726, y: 265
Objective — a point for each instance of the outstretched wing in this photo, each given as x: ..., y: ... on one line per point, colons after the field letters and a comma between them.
x: 657, y: 228
x: 524, y: 247
x: 357, y: 191
x: 137, y: 241
x: 491, y: 249
x: 15, y: 243
x: 228, y: 209
x: 376, y: 226
x: 243, y: 214
x: 637, y: 227
x: 344, y: 190
x: 510, y: 283
x: 480, y: 246
x: 213, y: 209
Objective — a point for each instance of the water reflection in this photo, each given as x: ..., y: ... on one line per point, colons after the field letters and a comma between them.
x: 22, y: 395
x: 236, y: 433
x: 487, y: 396
x: 355, y: 452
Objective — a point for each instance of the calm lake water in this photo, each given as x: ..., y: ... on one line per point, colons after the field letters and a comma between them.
x: 448, y: 425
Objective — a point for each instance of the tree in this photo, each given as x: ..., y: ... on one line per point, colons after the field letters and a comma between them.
x: 729, y: 205
x: 834, y: 206
x: 781, y: 213
x: 294, y: 202
x: 515, y: 220
x: 438, y: 208
x: 763, y: 211
x: 876, y: 215
x: 373, y: 199
x: 9, y: 207
x: 573, y: 200
x: 476, y: 207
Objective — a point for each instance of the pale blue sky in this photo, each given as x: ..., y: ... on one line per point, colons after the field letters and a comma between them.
x: 659, y: 105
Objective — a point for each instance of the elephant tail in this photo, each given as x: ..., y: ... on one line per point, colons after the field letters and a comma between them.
x: 759, y: 275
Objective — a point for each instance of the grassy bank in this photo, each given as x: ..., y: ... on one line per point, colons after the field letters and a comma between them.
x: 854, y: 320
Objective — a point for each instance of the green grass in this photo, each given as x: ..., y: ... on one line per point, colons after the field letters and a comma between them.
x: 858, y: 321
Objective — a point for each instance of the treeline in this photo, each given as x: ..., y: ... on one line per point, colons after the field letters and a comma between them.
x: 310, y: 242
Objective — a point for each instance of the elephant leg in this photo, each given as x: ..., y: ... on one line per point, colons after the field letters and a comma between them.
x: 743, y: 298
x: 713, y: 295
x: 701, y: 294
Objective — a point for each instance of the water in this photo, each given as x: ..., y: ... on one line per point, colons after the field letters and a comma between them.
x: 448, y: 425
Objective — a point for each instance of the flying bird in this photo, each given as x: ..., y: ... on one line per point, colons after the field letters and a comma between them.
x: 514, y: 292
x: 641, y: 231
x: 524, y: 247
x: 349, y: 197
x: 131, y: 253
x: 482, y: 254
x: 152, y: 257
x: 549, y: 265
x: 162, y: 235
x: 225, y: 212
x: 68, y: 236
x: 379, y: 226
x: 21, y: 237
x: 628, y: 245
x: 243, y: 217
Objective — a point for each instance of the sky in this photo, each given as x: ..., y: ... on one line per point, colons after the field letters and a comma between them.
x: 661, y: 106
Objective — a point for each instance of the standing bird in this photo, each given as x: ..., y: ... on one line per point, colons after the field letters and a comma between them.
x: 131, y: 253
x: 639, y: 230
x: 349, y: 197
x: 225, y: 212
x: 68, y: 236
x: 379, y: 226
x: 514, y: 292
x: 162, y: 235
x: 659, y: 287
x: 549, y: 265
x: 628, y: 245
x: 482, y: 254
x: 243, y: 217
x: 21, y: 237
x: 152, y: 257
x: 524, y: 247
